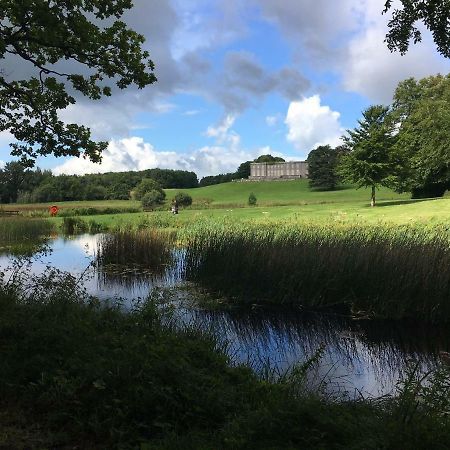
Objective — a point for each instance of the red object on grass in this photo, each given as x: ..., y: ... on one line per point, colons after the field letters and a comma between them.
x: 53, y: 210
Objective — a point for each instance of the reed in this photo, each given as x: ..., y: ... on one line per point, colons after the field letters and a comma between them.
x: 380, y: 270
x: 152, y: 249
x: 18, y: 229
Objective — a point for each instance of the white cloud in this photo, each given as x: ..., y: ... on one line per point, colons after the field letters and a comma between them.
x: 372, y: 70
x: 310, y: 124
x: 2, y: 164
x: 136, y: 154
x: 271, y: 121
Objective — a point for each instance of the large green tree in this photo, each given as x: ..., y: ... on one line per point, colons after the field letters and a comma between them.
x: 369, y: 162
x: 422, y: 112
x: 434, y: 14
x: 71, y: 46
x: 322, y: 167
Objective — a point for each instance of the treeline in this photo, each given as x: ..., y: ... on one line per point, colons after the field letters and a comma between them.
x: 21, y: 185
x: 243, y: 171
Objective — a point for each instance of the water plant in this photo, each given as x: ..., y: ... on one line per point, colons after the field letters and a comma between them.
x: 152, y: 249
x: 19, y: 229
x: 372, y: 270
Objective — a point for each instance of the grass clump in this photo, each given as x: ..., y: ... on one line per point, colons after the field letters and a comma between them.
x: 383, y: 270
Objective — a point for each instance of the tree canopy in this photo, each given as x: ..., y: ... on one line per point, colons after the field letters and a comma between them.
x: 369, y: 162
x: 69, y: 48
x: 322, y: 164
x: 435, y: 14
x: 422, y: 112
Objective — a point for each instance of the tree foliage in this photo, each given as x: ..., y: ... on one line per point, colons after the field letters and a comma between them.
x: 147, y: 185
x: 422, y: 110
x: 73, y: 47
x: 183, y: 199
x: 435, y: 14
x: 153, y: 198
x: 369, y: 162
x: 322, y: 167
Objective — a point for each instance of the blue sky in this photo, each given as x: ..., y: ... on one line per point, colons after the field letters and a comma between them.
x: 239, y: 78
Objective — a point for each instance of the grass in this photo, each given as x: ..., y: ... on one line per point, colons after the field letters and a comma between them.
x: 80, y: 374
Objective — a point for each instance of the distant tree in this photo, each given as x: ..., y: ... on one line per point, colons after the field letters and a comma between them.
x: 12, y: 178
x: 322, y: 167
x: 421, y: 110
x: 268, y: 159
x: 72, y: 48
x: 183, y: 199
x: 369, y: 162
x: 152, y: 199
x: 252, y: 200
x: 243, y: 170
x: 216, y: 179
x: 435, y: 14
x: 148, y: 185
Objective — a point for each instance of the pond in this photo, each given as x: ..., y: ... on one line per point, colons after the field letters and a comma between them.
x: 358, y: 357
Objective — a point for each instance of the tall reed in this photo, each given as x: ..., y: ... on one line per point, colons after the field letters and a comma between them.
x: 149, y: 248
x: 19, y: 229
x: 383, y: 270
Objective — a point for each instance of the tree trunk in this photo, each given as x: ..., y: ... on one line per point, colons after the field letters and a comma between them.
x: 372, y: 199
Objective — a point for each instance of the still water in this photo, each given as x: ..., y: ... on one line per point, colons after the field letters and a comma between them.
x: 358, y: 357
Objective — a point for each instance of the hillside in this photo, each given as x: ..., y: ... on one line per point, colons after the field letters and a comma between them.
x: 281, y: 193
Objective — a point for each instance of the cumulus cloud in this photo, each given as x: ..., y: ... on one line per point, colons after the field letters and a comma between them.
x: 2, y: 164
x: 311, y: 124
x: 135, y: 154
x: 372, y: 70
x: 246, y: 81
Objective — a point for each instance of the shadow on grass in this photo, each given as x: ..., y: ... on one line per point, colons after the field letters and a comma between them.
x: 404, y: 202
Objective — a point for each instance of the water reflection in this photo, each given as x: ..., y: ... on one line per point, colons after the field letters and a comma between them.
x: 359, y: 356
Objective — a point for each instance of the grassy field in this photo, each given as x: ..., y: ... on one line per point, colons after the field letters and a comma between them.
x: 276, y: 200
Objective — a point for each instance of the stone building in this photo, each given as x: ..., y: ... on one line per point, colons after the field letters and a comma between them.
x: 290, y: 170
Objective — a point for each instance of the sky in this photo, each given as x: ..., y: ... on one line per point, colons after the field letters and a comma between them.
x: 241, y: 78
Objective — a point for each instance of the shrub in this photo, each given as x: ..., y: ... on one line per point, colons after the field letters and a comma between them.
x: 252, y: 199
x: 183, y: 199
x: 153, y: 198
x: 145, y: 186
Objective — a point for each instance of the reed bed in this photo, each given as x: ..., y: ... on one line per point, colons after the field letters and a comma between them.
x: 152, y: 249
x: 18, y: 229
x: 378, y: 270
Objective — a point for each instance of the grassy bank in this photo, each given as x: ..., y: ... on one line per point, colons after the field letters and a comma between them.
x: 388, y: 271
x: 78, y: 374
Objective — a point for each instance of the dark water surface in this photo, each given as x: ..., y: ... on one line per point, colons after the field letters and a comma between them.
x: 359, y: 357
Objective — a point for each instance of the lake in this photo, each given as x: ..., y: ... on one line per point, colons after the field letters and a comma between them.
x: 358, y: 357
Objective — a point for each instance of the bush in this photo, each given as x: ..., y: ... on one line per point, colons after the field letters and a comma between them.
x: 145, y: 186
x: 183, y: 199
x: 153, y: 198
x: 252, y: 199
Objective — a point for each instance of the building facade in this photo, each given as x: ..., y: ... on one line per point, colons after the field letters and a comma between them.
x: 290, y: 170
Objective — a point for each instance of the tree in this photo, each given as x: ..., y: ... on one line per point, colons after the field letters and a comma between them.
x: 252, y: 200
x: 72, y: 47
x: 435, y: 14
x: 369, y: 162
x: 148, y: 185
x: 322, y: 167
x: 422, y: 112
x: 153, y: 198
x: 243, y: 170
x: 268, y: 159
x: 183, y: 199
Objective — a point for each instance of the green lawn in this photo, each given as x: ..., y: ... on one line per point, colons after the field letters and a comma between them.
x: 277, y: 200
x: 280, y: 193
